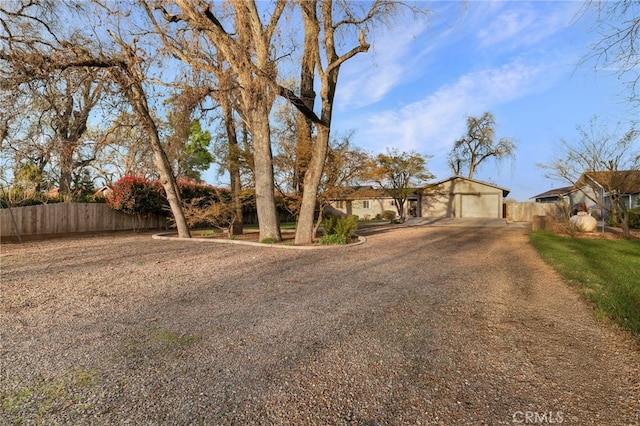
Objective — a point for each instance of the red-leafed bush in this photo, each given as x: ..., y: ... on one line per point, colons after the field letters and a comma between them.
x: 137, y: 195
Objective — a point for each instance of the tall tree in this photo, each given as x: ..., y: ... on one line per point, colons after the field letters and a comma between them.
x: 605, y: 159
x: 130, y: 75
x: 399, y: 174
x: 478, y: 145
x: 47, y: 49
x: 248, y: 50
x: 61, y: 100
x: 326, y: 26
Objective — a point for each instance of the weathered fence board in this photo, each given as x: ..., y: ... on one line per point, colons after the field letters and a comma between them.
x: 525, y: 212
x: 68, y: 218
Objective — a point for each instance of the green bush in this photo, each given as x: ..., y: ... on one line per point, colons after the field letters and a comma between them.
x: 330, y: 239
x: 343, y: 227
x: 634, y: 219
x: 329, y: 224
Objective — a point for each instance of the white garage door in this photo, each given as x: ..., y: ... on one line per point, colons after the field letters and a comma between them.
x: 480, y: 205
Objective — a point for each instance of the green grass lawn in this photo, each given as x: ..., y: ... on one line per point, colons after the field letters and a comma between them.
x: 608, y: 271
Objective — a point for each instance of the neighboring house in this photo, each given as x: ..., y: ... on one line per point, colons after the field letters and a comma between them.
x: 453, y: 197
x: 572, y: 196
x: 596, y: 186
x: 462, y: 197
x: 555, y: 195
x: 103, y: 191
x: 625, y: 182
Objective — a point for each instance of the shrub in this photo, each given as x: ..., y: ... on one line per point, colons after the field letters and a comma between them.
x: 342, y: 227
x: 389, y: 215
x: 328, y: 239
x: 634, y: 219
x: 330, y: 224
x: 136, y: 195
x: 200, y: 212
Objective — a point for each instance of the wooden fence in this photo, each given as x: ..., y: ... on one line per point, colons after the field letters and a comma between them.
x: 69, y: 218
x: 525, y: 212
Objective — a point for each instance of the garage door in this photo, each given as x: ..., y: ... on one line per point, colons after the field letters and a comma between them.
x: 480, y: 205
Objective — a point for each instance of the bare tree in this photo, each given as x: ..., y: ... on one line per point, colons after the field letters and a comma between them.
x: 124, y: 151
x: 607, y: 161
x: 247, y: 48
x: 61, y: 100
x: 478, y: 145
x: 327, y: 23
x: 46, y: 51
x: 130, y: 75
x: 618, y: 45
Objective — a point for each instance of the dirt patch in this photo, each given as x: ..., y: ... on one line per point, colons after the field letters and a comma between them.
x: 417, y: 326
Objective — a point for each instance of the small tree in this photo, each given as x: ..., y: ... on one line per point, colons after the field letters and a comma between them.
x: 608, y: 161
x: 399, y: 173
x: 478, y: 145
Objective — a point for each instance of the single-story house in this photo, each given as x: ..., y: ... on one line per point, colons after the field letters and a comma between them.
x: 453, y: 197
x: 366, y: 202
x: 624, y: 182
x: 573, y: 196
x: 556, y: 194
x: 593, y: 186
x: 463, y: 197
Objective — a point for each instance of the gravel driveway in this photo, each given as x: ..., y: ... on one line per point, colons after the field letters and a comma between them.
x: 422, y: 325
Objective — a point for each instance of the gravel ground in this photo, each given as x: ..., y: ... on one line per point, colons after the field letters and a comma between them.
x: 424, y: 325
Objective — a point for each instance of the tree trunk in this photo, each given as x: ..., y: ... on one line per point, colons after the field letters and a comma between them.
x: 304, y: 127
x: 305, y: 227
x: 400, y: 205
x: 237, y: 226
x: 136, y: 96
x: 66, y: 171
x: 168, y: 182
x: 263, y: 173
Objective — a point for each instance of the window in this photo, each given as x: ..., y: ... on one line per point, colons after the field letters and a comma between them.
x: 366, y: 204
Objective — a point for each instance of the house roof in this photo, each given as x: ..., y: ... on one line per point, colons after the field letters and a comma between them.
x: 359, y: 192
x: 625, y: 181
x: 368, y: 191
x: 505, y: 191
x: 363, y: 192
x: 565, y: 190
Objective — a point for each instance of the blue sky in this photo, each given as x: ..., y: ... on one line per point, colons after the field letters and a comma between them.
x: 519, y: 60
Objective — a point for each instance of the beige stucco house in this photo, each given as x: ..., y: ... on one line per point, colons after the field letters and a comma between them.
x: 366, y: 202
x: 462, y: 197
x: 453, y: 197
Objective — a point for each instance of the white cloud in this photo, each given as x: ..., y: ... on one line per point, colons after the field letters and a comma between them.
x: 369, y: 77
x: 430, y: 126
x: 521, y: 25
